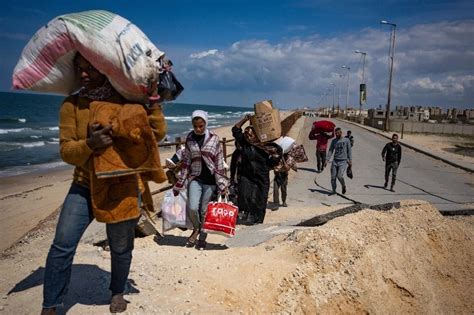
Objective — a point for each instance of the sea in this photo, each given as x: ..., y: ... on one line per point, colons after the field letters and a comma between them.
x: 29, y: 132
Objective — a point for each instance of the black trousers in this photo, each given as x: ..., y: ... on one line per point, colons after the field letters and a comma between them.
x: 280, y: 181
x: 393, y: 166
x: 320, y: 158
x: 252, y: 198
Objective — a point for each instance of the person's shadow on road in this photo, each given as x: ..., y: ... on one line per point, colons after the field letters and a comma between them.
x: 180, y: 241
x: 89, y: 285
x: 307, y: 169
x: 375, y: 186
x: 321, y: 191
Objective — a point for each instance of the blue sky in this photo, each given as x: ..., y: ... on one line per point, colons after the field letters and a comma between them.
x: 239, y: 52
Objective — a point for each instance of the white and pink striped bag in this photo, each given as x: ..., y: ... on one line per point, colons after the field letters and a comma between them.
x: 112, y: 44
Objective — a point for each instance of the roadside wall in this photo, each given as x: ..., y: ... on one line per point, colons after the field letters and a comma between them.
x: 422, y: 127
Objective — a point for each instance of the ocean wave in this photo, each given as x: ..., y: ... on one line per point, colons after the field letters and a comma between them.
x: 11, y: 120
x: 33, y: 144
x: 179, y: 118
x: 54, y: 139
x: 6, y: 131
x: 35, y: 137
x: 8, y: 146
x: 29, y: 130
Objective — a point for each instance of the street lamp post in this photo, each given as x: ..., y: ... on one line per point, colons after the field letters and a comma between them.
x: 347, y: 95
x: 339, y: 94
x: 364, y: 54
x: 333, y: 96
x: 391, y: 54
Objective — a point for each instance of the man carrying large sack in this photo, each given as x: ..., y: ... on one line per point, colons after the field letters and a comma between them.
x: 81, y: 142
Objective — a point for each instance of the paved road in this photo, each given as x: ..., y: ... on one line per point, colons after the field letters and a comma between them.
x: 419, y: 177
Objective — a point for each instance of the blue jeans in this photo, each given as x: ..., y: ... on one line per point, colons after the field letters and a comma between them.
x: 338, y: 167
x: 75, y: 217
x: 199, y: 196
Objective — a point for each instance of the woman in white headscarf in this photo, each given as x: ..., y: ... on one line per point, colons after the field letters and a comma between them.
x: 203, y: 170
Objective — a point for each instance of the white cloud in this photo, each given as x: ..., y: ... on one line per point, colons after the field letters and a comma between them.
x: 434, y: 63
x: 203, y: 54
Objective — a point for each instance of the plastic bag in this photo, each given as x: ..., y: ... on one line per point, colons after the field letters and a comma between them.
x: 173, y: 211
x: 299, y: 154
x: 169, y: 87
x: 349, y: 172
x: 286, y: 143
x: 112, y: 44
x: 221, y: 217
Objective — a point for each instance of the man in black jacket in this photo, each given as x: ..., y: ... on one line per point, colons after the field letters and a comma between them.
x: 392, y: 154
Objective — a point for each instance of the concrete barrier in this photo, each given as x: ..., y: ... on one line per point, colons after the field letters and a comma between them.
x: 422, y: 127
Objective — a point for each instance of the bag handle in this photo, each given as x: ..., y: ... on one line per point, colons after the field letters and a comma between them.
x: 219, y: 199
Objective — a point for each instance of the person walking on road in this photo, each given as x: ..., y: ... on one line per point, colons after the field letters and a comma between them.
x: 350, y: 137
x: 80, y: 142
x: 341, y: 147
x: 255, y: 165
x: 391, y: 154
x: 203, y: 172
x: 321, y: 146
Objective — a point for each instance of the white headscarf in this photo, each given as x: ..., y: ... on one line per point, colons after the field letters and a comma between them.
x: 204, y: 116
x: 201, y: 114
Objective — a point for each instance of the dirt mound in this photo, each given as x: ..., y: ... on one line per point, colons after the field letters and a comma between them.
x: 408, y: 260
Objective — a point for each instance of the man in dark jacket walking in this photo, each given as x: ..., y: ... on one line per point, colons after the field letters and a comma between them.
x: 391, y: 154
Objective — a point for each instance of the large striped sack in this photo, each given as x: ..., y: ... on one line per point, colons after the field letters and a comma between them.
x: 112, y: 44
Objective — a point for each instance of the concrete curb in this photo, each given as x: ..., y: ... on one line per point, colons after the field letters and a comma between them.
x: 464, y: 168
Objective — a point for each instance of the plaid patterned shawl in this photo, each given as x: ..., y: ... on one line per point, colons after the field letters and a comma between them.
x: 211, y: 153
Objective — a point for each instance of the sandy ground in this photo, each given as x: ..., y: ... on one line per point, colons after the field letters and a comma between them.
x: 407, y: 260
x: 457, y: 147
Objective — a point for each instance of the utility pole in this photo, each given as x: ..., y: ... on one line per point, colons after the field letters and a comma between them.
x: 363, y: 87
x: 391, y: 54
x: 333, y: 96
x: 347, y: 95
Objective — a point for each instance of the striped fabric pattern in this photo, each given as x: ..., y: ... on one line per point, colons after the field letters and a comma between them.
x: 211, y: 153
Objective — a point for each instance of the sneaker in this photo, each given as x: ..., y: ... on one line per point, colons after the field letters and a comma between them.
x: 273, y: 206
x: 385, y: 186
x: 201, y: 245
x: 343, y: 190
x: 48, y: 311
x: 118, y: 304
x: 284, y: 205
x: 332, y: 193
x: 391, y: 189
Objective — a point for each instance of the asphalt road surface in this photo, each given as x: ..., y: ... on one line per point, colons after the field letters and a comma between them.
x: 419, y: 177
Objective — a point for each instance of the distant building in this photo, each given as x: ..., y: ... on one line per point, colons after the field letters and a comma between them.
x: 469, y: 114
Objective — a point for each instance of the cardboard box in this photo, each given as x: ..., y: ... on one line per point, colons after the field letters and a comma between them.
x: 267, y: 124
x: 263, y: 106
